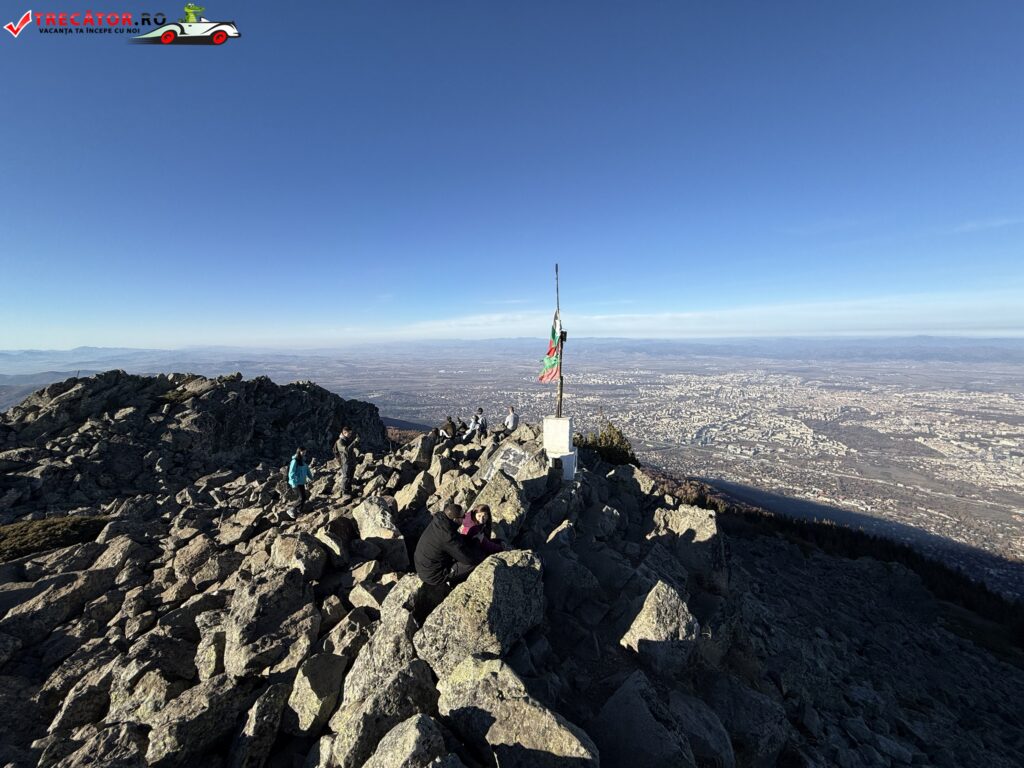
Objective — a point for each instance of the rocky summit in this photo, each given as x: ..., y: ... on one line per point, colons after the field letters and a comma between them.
x: 194, y: 623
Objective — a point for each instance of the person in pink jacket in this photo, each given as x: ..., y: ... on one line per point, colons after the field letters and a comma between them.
x: 476, y: 526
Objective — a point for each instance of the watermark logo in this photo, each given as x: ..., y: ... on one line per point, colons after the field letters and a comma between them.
x: 24, y: 21
x: 191, y: 28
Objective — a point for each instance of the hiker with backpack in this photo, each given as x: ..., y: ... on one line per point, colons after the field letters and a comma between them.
x: 299, y: 474
x: 345, y: 453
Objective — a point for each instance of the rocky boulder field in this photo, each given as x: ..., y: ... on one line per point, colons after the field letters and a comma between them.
x: 193, y: 623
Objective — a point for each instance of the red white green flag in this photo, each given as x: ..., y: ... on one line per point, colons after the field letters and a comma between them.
x: 553, y: 359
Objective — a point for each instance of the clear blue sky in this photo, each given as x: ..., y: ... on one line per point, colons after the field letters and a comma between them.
x: 357, y: 170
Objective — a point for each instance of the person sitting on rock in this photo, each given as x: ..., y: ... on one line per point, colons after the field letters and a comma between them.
x: 299, y: 474
x: 477, y: 426
x: 476, y: 526
x: 461, y: 428
x: 442, y: 556
x: 510, y: 423
x: 448, y: 430
x: 345, y: 453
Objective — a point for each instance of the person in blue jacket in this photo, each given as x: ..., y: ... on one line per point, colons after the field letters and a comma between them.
x: 299, y: 474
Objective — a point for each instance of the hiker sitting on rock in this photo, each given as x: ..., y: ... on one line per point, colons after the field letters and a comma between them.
x: 461, y: 428
x: 299, y: 474
x: 442, y: 555
x: 448, y: 430
x: 476, y: 526
x: 510, y: 423
x: 477, y: 426
x: 345, y: 453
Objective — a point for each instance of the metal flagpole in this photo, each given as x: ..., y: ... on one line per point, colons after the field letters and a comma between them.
x: 561, y: 340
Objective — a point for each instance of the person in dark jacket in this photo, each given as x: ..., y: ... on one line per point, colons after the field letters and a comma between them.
x: 345, y: 453
x: 442, y: 555
x: 299, y: 474
x: 476, y: 526
x: 448, y: 430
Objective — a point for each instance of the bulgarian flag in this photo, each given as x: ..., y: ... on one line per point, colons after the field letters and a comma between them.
x: 553, y: 359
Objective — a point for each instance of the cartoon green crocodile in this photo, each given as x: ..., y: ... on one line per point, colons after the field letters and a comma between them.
x: 192, y: 12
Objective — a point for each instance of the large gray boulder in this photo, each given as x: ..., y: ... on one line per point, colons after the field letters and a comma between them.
x: 413, y: 743
x: 196, y: 720
x: 272, y: 623
x: 664, y: 632
x: 707, y: 736
x: 502, y: 599
x: 489, y: 707
x: 692, y: 535
x: 389, y: 648
x: 315, y: 693
x: 300, y: 550
x: 757, y: 725
x: 87, y: 701
x: 508, y: 505
x: 34, y: 619
x: 375, y: 519
x: 254, y: 741
x: 119, y: 745
x: 635, y: 728
x: 361, y: 724
x: 526, y: 463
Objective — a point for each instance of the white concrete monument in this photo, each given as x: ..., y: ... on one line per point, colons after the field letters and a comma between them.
x: 558, y: 444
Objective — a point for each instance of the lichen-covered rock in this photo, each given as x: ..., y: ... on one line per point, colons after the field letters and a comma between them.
x: 315, y: 693
x: 508, y: 505
x: 413, y: 743
x: 272, y: 623
x: 489, y: 707
x: 664, y: 632
x: 347, y: 637
x: 389, y: 648
x: 415, y: 494
x: 502, y: 599
x: 38, y: 616
x: 253, y: 743
x: 375, y: 519
x: 300, y: 551
x: 196, y: 720
x: 86, y: 702
x: 361, y: 724
x: 691, y: 533
x: 119, y: 745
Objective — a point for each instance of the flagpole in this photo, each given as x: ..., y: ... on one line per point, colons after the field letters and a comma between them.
x: 561, y: 355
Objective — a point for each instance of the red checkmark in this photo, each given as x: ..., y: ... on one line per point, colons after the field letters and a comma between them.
x: 22, y: 23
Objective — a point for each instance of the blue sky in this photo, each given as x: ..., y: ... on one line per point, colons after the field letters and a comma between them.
x: 361, y: 170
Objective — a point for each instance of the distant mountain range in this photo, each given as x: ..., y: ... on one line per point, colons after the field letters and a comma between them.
x: 911, y: 349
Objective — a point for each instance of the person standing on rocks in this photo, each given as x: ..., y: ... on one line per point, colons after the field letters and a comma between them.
x: 442, y: 555
x: 345, y: 453
x: 299, y: 474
